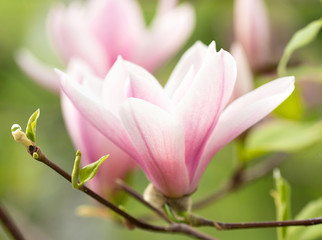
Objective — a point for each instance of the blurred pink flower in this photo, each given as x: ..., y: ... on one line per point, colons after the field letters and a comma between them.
x: 251, y: 25
x: 173, y: 133
x: 97, y: 32
x: 91, y: 142
x: 244, y: 81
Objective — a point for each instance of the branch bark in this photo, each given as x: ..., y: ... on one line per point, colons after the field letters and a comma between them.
x: 37, y: 154
x: 198, y: 221
x: 9, y: 224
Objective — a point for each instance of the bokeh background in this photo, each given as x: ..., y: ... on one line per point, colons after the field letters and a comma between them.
x: 44, y: 205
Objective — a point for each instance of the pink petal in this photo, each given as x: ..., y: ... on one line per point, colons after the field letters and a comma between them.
x: 242, y: 114
x: 126, y: 79
x: 184, y: 86
x: 118, y: 25
x: 37, y: 71
x: 193, y: 57
x: 159, y: 140
x: 69, y: 31
x: 93, y: 145
x: 166, y: 5
x: 90, y: 106
x: 245, y: 81
x: 118, y: 165
x: 252, y: 30
x: 168, y: 32
x: 201, y: 106
x: 144, y: 86
x: 113, y: 87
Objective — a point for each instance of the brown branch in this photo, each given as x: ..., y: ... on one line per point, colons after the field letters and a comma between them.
x: 121, y: 184
x: 35, y: 151
x: 191, y: 219
x: 10, y: 225
x: 198, y: 221
x: 240, y: 178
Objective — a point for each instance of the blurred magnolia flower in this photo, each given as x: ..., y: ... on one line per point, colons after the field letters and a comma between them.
x: 173, y: 132
x: 99, y: 30
x: 251, y: 26
x: 244, y: 82
x: 91, y: 142
x: 96, y: 32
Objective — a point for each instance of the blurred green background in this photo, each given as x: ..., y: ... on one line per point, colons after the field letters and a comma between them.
x: 44, y: 204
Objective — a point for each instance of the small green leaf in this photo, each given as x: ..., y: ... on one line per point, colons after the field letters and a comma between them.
x: 282, y: 196
x: 89, y: 171
x: 283, y: 136
x: 301, y: 38
x: 31, y: 126
x: 75, y: 173
x: 311, y: 210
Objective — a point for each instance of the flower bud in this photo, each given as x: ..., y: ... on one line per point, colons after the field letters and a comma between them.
x: 158, y: 200
x: 20, y: 136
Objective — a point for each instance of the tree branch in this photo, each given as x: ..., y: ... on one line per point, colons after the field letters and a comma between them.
x: 122, y: 185
x: 37, y: 154
x: 198, y: 221
x: 240, y: 178
x: 10, y: 225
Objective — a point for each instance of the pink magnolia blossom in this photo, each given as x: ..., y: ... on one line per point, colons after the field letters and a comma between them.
x: 173, y: 132
x: 96, y: 32
x: 99, y: 30
x: 251, y: 27
x: 92, y: 143
x: 244, y: 81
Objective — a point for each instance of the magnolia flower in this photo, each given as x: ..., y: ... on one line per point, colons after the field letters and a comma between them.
x: 92, y: 143
x: 99, y: 30
x: 244, y: 81
x: 96, y: 32
x: 251, y: 27
x: 173, y: 132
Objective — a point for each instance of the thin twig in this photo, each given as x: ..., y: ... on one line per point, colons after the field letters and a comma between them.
x: 267, y: 224
x: 121, y: 184
x: 240, y: 178
x: 173, y: 228
x: 10, y: 225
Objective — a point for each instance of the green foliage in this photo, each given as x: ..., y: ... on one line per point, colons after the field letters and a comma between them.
x: 75, y: 172
x: 31, y: 125
x: 89, y: 171
x: 311, y: 210
x: 86, y: 173
x: 283, y: 136
x: 281, y: 195
x: 292, y: 107
x: 300, y: 39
